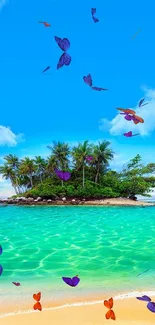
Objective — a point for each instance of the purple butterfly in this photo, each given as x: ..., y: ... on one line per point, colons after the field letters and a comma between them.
x: 88, y: 81
x: 151, y: 306
x: 129, y: 134
x: 17, y: 284
x: 1, y: 250
x: 72, y: 282
x: 65, y: 59
x: 89, y: 158
x: 144, y: 298
x: 46, y: 69
x: 93, y: 12
x: 64, y: 176
x: 141, y: 102
x: 1, y: 270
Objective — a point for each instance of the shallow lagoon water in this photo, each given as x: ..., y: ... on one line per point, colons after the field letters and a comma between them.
x: 106, y: 246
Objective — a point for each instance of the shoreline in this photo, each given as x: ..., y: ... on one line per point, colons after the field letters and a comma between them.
x: 74, y: 202
x: 126, y: 307
x: 78, y: 302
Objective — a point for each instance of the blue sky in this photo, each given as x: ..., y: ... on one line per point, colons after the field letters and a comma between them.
x: 58, y: 105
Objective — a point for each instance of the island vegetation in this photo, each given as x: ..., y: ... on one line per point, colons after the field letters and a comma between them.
x: 89, y: 180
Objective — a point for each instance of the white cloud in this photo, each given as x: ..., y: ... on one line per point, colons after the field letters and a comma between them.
x: 8, y: 138
x: 3, y: 3
x: 6, y: 190
x: 118, y: 125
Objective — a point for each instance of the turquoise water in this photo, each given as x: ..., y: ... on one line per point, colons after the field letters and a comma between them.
x: 106, y: 246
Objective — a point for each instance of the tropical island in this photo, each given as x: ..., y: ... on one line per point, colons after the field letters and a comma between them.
x: 92, y: 182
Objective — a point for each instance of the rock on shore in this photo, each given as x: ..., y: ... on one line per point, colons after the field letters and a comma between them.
x: 64, y: 201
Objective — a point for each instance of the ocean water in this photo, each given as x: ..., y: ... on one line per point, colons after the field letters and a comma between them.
x: 107, y: 247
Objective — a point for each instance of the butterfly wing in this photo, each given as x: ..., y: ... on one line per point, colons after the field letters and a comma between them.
x: 47, y: 25
x: 37, y: 296
x: 122, y: 110
x: 138, y: 118
x: 134, y: 135
x: 37, y: 306
x: 144, y: 298
x: 75, y: 281
x: 128, y: 117
x: 93, y: 11
x: 1, y: 250
x: 141, y: 102
x: 61, y: 62
x: 46, y: 69
x: 68, y: 281
x: 1, y: 270
x: 96, y: 20
x: 65, y: 44
x: 98, y: 88
x: 144, y: 104
x: 59, y: 41
x: 126, y: 110
x: 89, y: 158
x: 111, y: 302
x: 66, y: 176
x: 108, y: 314
x: 135, y: 122
x: 151, y: 306
x: 108, y: 303
x: 88, y: 80
x: 67, y: 59
x: 112, y: 316
x: 17, y: 284
x: 128, y: 134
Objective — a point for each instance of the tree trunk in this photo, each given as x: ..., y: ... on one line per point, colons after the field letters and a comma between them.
x: 40, y: 178
x: 97, y: 175
x: 31, y: 181
x: 13, y: 185
x: 83, y: 174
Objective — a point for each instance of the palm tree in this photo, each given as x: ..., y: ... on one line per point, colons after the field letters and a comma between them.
x: 51, y: 164
x: 60, y: 156
x: 79, y: 154
x: 40, y: 166
x: 102, y: 155
x: 13, y: 162
x: 8, y: 173
x: 28, y: 168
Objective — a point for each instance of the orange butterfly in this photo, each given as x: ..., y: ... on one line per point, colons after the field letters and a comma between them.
x: 109, y: 304
x: 37, y: 305
x: 45, y: 23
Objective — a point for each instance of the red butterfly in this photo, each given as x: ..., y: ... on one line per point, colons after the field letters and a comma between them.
x: 109, y: 304
x: 37, y: 305
x: 45, y: 23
